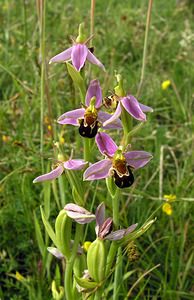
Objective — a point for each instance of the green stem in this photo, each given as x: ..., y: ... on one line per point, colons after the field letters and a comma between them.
x: 145, y: 46
x: 98, y: 294
x: 92, y: 9
x: 42, y: 84
x: 111, y: 257
x: 118, y: 275
x: 87, y: 148
x: 70, y: 262
x: 115, y: 205
x: 68, y: 280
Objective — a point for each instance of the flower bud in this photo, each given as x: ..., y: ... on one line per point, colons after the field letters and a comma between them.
x: 58, y: 294
x: 96, y: 260
x: 62, y: 227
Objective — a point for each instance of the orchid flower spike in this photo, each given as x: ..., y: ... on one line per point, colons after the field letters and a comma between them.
x: 128, y: 103
x: 71, y: 164
x: 78, y: 53
x: 104, y: 226
x: 118, y: 164
x: 90, y: 118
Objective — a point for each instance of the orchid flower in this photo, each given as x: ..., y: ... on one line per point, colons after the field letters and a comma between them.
x: 127, y: 102
x: 78, y: 213
x: 104, y: 226
x: 71, y: 164
x: 118, y: 163
x: 89, y: 118
x: 78, y: 53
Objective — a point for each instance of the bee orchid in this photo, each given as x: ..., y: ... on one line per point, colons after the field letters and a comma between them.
x: 132, y: 106
x: 71, y: 164
x: 90, y: 117
x: 78, y: 213
x: 78, y: 53
x: 117, y: 163
x: 127, y: 103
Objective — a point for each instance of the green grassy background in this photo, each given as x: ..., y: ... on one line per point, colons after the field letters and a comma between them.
x: 168, y: 134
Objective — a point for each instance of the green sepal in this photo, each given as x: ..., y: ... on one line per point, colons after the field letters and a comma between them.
x: 48, y: 227
x: 77, y: 79
x: 86, y: 283
x: 135, y: 130
x: 96, y: 260
x: 134, y: 235
x: 111, y: 186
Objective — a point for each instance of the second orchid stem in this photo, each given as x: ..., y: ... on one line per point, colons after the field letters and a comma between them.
x: 70, y: 262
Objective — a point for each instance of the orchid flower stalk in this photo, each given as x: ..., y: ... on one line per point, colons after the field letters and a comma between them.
x: 118, y: 167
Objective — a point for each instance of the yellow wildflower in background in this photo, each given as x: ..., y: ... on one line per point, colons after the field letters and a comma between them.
x: 49, y: 127
x: 19, y: 276
x: 5, y: 138
x: 86, y: 245
x: 167, y: 208
x: 165, y: 84
x: 61, y: 140
x: 170, y: 198
x: 46, y: 120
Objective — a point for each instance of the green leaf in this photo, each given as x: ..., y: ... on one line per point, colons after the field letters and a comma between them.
x: 136, y: 129
x: 48, y: 227
x: 76, y: 197
x: 47, y: 195
x: 134, y: 235
x: 39, y: 237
